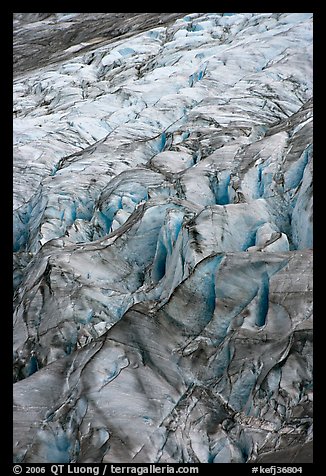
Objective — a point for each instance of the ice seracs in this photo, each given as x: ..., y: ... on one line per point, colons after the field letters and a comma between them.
x: 163, y: 240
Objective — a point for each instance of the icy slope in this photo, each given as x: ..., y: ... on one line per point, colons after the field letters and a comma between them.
x: 163, y: 240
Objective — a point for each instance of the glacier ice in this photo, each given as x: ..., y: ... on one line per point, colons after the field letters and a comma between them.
x: 163, y: 170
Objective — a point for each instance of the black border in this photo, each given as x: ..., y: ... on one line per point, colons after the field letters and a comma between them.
x: 7, y: 187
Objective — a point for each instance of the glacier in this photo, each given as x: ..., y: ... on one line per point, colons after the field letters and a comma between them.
x: 162, y: 238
